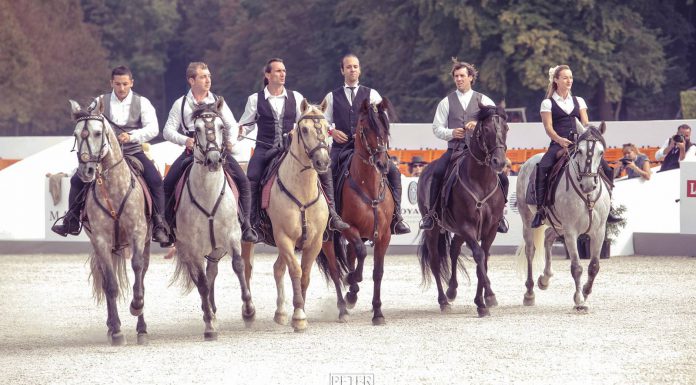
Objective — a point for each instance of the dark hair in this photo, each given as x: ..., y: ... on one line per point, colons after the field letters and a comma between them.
x: 121, y: 70
x: 347, y: 56
x: 684, y: 126
x: 470, y: 69
x: 267, y: 68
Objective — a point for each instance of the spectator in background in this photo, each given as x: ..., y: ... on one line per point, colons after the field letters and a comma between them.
x: 507, y: 170
x: 416, y: 165
x: 634, y: 163
x: 675, y: 149
x: 395, y: 159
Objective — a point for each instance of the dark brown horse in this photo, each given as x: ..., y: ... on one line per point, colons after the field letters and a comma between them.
x: 472, y: 205
x: 367, y: 206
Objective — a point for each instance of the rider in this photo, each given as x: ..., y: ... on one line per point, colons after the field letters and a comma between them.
x: 559, y: 111
x: 342, y: 112
x: 134, y: 121
x: 275, y: 110
x: 455, y: 115
x: 181, y: 116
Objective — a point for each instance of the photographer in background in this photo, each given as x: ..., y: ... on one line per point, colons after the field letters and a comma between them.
x: 675, y: 149
x: 634, y: 163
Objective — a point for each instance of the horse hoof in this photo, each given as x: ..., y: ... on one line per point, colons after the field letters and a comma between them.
x: 378, y: 321
x: 451, y: 294
x: 483, y: 312
x: 280, y: 319
x: 142, y: 339
x: 117, y: 339
x: 445, y: 308
x: 299, y: 325
x: 248, y: 313
x: 343, y: 318
x: 528, y: 301
x: 541, y: 284
x: 351, y: 299
x: 210, y: 336
x: 491, y: 301
x: 135, y: 311
x: 581, y: 309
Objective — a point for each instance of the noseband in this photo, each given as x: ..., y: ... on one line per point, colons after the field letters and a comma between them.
x: 90, y: 156
x: 480, y: 141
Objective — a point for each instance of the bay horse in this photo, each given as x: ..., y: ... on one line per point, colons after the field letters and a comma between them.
x: 298, y: 211
x: 207, y: 225
x: 581, y: 205
x: 367, y: 206
x: 114, y: 217
x: 472, y: 205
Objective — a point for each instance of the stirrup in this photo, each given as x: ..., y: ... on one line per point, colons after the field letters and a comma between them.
x: 428, y: 221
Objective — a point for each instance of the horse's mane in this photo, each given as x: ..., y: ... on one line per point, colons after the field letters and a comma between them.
x: 384, y: 114
x: 593, y: 133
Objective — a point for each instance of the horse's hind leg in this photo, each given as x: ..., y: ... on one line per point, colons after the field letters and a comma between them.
x: 377, y: 274
x: 545, y: 277
x: 455, y: 250
x: 140, y: 263
x: 280, y: 317
x: 248, y: 309
x: 432, y: 239
x: 328, y: 249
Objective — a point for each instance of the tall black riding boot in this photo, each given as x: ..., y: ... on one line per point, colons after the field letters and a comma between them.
x: 71, y: 220
x: 248, y: 232
x: 160, y: 230
x: 504, y: 185
x: 540, y: 189
x: 254, y: 204
x: 335, y: 221
x: 398, y: 226
x: 428, y: 220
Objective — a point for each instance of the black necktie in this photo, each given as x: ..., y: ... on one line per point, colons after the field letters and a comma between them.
x: 352, y: 94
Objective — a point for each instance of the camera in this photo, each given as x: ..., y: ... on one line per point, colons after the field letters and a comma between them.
x: 625, y: 161
x: 678, y: 138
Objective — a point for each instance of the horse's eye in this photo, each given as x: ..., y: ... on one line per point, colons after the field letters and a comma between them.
x: 97, y: 134
x: 304, y: 130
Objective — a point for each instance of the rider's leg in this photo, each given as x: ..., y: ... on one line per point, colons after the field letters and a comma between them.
x: 257, y: 165
x: 335, y: 221
x: 71, y: 220
x: 439, y: 168
x: 169, y: 185
x: 504, y: 186
x: 240, y: 179
x: 398, y: 226
x: 542, y: 169
x: 160, y: 231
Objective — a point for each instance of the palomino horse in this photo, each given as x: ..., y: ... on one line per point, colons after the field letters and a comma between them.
x: 298, y: 211
x: 581, y: 206
x: 368, y: 206
x: 471, y: 213
x: 115, y: 211
x: 207, y: 225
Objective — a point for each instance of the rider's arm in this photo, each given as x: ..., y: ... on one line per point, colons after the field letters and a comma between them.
x: 328, y: 114
x: 171, y: 128
x: 150, y: 126
x: 440, y: 128
x: 249, y: 115
x: 298, y: 105
x: 229, y: 132
x: 547, y: 120
x: 662, y: 152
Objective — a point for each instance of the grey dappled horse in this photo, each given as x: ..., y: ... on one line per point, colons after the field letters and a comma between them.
x: 581, y: 207
x: 117, y: 226
x: 207, y: 224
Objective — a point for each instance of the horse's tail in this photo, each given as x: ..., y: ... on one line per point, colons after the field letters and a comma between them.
x: 118, y: 266
x: 339, y: 254
x: 538, y: 260
x: 182, y: 275
x: 443, y: 243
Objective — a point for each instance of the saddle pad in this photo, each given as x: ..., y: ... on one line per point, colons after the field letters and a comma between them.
x: 266, y: 192
x: 552, y: 183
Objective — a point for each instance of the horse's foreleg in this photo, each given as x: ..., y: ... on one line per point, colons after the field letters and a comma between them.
x: 377, y: 273
x: 455, y: 250
x: 356, y: 249
x: 328, y: 249
x: 239, y: 267
x: 211, y: 272
x: 575, y: 269
x: 480, y: 259
x: 198, y: 276
x: 248, y: 257
x: 488, y: 294
x: 545, y: 277
x: 110, y: 288
x: 593, y: 267
x: 299, y: 318
x: 529, y: 251
x: 140, y: 263
x: 280, y: 317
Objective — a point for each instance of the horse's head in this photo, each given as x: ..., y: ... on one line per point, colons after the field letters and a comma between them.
x: 586, y: 156
x: 92, y: 139
x: 312, y: 131
x: 487, y: 143
x: 372, y: 134
x: 207, y: 134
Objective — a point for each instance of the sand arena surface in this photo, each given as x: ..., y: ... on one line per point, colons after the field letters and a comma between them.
x: 639, y: 329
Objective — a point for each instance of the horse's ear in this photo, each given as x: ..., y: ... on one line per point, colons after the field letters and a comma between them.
x: 579, y: 127
x: 324, y: 105
x: 99, y: 106
x: 603, y: 127
x: 304, y: 105
x: 75, y: 108
x: 219, y: 102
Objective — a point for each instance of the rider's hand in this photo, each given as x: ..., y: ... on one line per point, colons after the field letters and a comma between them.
x: 339, y: 136
x: 458, y: 133
x: 564, y: 142
x: 189, y: 143
x: 124, y: 137
x: 470, y: 125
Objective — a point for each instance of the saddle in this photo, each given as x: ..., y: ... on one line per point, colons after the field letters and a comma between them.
x: 342, y: 171
x: 552, y: 181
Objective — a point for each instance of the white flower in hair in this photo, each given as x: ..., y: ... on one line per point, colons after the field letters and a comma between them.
x: 552, y: 71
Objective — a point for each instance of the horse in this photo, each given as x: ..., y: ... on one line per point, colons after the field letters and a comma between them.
x: 297, y: 210
x: 115, y: 219
x: 472, y: 206
x: 582, y: 203
x: 206, y: 217
x: 367, y: 206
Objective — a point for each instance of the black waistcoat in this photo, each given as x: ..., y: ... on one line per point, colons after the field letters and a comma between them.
x: 266, y: 122
x: 345, y: 115
x: 564, y: 123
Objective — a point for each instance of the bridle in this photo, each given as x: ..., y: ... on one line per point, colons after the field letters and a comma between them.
x: 586, y: 171
x: 321, y: 138
x: 90, y: 156
x: 211, y: 144
x: 481, y: 144
x: 373, y: 152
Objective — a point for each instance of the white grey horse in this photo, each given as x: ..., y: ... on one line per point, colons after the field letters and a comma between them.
x: 582, y: 202
x: 116, y: 224
x: 207, y: 225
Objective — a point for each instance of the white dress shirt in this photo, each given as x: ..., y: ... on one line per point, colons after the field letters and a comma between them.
x: 171, y: 128
x: 277, y: 104
x: 120, y: 112
x: 375, y: 98
x: 565, y: 104
x: 440, y: 128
